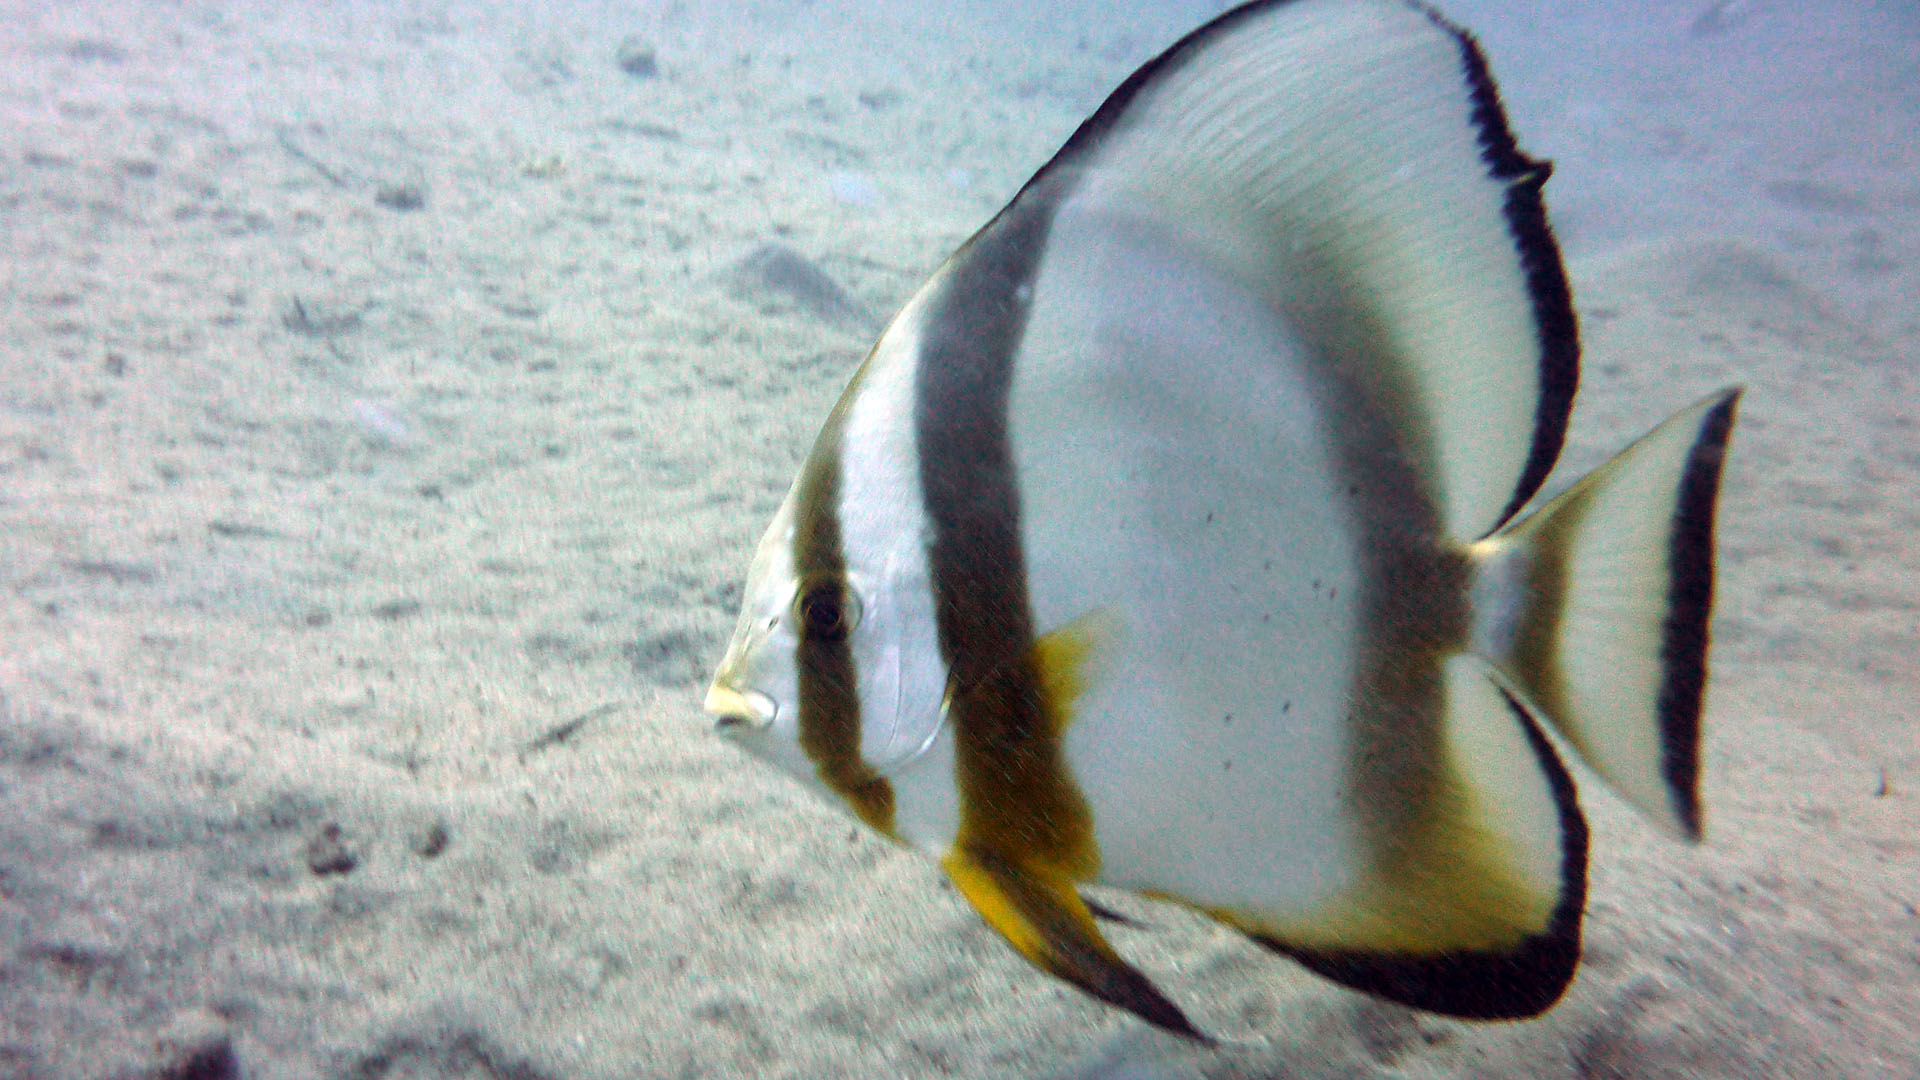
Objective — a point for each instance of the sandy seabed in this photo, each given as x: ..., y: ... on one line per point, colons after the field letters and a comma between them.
x: 385, y: 425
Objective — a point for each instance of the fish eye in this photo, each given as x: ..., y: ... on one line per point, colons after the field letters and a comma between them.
x: 827, y: 612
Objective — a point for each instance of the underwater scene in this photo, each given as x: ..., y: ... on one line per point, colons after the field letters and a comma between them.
x: 1087, y: 541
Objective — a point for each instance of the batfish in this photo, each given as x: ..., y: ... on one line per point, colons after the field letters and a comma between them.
x: 1171, y: 538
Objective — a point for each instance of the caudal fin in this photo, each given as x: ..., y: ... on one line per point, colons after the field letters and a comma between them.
x: 1597, y: 608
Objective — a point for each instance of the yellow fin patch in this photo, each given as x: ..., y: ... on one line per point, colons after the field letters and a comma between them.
x: 1060, y: 659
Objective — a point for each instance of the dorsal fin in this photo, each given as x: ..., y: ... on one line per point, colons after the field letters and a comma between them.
x: 1349, y: 162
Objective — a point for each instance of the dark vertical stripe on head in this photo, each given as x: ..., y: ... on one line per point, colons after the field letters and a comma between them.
x: 1557, y: 328
x: 829, y: 723
x: 1016, y: 799
x: 1683, y: 649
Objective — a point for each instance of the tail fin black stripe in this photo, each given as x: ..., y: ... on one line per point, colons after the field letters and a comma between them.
x: 1683, y: 651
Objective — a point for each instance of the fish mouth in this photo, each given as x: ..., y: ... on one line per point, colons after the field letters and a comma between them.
x: 738, y: 712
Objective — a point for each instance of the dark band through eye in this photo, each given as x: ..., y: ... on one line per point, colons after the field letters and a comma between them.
x: 825, y: 613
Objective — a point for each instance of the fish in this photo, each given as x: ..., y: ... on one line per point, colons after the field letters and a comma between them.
x: 1179, y: 536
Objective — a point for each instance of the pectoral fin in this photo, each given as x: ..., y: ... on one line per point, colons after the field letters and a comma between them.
x: 1039, y: 912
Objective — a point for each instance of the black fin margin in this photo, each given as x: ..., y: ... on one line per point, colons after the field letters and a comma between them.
x: 1556, y: 324
x: 1123, y: 986
x: 1511, y: 985
x: 1684, y: 638
x: 1107, y: 116
x: 1554, y: 319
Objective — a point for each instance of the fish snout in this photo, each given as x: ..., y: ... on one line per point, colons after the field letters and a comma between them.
x: 737, y: 712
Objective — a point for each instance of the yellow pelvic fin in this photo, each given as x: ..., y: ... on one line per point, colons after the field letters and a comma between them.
x: 1039, y: 912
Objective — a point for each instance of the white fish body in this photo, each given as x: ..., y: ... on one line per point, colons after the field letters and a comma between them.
x: 1169, y: 538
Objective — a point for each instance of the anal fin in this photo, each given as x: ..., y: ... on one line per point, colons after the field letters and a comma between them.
x: 1040, y: 913
x: 1475, y: 911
